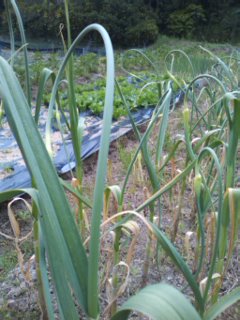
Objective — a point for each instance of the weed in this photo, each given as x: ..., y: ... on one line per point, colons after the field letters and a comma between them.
x: 24, y: 215
x: 125, y: 155
x: 8, y: 261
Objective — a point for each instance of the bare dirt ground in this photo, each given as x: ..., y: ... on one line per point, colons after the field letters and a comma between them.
x: 18, y: 297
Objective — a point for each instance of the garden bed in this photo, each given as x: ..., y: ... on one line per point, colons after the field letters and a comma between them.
x: 19, y: 297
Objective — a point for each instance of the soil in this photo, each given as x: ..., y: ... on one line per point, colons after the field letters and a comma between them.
x: 19, y: 296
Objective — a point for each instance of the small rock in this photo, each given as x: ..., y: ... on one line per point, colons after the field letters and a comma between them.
x: 11, y: 304
x: 23, y: 286
x: 15, y: 292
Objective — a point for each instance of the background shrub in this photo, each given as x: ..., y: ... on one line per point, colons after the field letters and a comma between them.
x: 133, y: 23
x: 186, y: 22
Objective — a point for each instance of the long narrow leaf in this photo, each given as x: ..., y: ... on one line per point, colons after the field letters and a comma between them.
x: 180, y: 263
x: 167, y: 186
x: 222, y: 304
x: 159, y: 302
x: 23, y: 40
x: 163, y: 126
x: 69, y: 269
x: 44, y: 77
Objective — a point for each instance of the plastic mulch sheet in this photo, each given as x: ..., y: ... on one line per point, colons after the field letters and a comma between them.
x: 15, y: 175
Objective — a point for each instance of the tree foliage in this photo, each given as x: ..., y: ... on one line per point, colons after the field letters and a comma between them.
x: 136, y: 22
x: 186, y: 22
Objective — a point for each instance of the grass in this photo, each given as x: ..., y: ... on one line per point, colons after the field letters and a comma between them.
x: 125, y: 155
x: 8, y: 261
x: 8, y: 315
